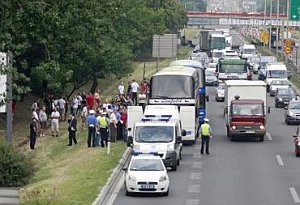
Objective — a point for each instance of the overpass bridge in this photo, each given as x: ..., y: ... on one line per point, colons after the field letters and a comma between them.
x: 197, y: 18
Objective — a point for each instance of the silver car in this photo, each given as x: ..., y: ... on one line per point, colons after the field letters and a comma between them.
x: 220, y: 92
x: 292, y: 112
x: 277, y: 84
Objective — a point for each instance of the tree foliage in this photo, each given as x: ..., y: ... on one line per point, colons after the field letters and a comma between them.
x: 57, y: 43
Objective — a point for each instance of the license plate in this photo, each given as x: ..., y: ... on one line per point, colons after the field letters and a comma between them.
x: 249, y: 131
x: 286, y: 102
x: 147, y: 186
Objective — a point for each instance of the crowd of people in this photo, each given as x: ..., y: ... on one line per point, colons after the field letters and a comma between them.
x: 104, y: 120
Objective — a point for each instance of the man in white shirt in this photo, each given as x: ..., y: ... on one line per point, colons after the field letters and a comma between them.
x: 112, y: 125
x: 121, y: 88
x: 134, y: 89
x: 61, y: 107
x: 55, y: 116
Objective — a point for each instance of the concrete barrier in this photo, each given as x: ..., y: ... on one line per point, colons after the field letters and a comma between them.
x: 9, y: 196
x: 108, y: 189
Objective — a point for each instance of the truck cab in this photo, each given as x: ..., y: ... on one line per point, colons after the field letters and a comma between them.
x: 247, y: 118
x: 159, y: 129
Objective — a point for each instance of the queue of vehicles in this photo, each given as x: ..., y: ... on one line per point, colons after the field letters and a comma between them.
x: 176, y: 107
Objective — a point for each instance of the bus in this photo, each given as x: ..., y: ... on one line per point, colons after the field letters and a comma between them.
x: 183, y: 86
x: 217, y: 41
x: 234, y: 69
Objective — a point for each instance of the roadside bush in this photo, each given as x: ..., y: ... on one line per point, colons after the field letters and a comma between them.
x: 15, y: 168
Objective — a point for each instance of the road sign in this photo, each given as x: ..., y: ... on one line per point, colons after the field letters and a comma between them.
x: 264, y: 37
x: 295, y: 10
x: 164, y: 46
x: 288, y: 46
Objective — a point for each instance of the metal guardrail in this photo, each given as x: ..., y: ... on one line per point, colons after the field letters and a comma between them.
x: 9, y: 196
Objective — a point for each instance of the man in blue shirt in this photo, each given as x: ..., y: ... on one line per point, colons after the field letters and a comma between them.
x: 91, y: 122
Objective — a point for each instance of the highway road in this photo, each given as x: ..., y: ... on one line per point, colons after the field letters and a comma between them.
x: 235, y: 173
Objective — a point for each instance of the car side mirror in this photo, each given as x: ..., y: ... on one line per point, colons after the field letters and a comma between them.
x: 179, y: 139
x: 269, y: 109
x: 125, y: 169
x: 294, y: 136
x: 129, y: 141
x: 183, y: 133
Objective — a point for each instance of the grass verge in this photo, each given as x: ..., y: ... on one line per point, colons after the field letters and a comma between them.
x: 74, y: 175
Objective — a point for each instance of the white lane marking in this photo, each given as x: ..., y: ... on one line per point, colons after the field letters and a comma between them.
x: 279, y: 160
x: 269, y: 137
x: 294, y: 195
x: 116, y: 191
x: 197, y: 165
x: 192, y: 202
x: 195, y: 175
x: 194, y: 188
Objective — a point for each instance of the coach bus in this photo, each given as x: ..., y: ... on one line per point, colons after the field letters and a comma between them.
x: 183, y: 86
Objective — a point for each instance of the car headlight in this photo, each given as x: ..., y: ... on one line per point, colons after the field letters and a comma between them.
x: 291, y: 113
x: 233, y: 127
x: 163, y: 178
x: 280, y: 99
x: 170, y: 147
x: 131, y: 178
x: 262, y: 127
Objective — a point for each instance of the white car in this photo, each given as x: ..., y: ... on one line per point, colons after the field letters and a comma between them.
x: 220, y: 92
x: 146, y: 173
x: 211, y: 77
x: 275, y: 84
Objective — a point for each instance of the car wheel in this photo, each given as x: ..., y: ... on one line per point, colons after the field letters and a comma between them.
x: 297, y: 154
x: 174, y: 168
x: 166, y: 193
x: 127, y: 193
x: 261, y: 138
x: 180, y: 155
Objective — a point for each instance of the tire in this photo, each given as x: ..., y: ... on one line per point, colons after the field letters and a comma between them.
x: 174, y: 168
x: 166, y: 193
x: 180, y: 155
x: 232, y: 138
x: 287, y: 122
x: 127, y: 193
x: 261, y: 138
x: 297, y: 154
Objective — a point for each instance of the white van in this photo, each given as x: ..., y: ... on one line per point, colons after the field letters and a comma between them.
x: 247, y: 50
x: 275, y: 71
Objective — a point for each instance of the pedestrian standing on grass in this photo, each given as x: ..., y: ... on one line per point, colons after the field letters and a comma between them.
x: 55, y: 116
x: 112, y: 125
x: 91, y: 121
x: 43, y: 120
x: 72, y: 129
x: 33, y: 133
x: 103, y: 123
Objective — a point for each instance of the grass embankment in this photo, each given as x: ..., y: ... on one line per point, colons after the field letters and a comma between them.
x: 74, y: 175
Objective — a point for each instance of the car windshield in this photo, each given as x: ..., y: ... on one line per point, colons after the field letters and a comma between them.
x: 279, y: 82
x: 247, y: 109
x: 249, y: 51
x: 221, y: 86
x: 294, y: 105
x: 154, y: 134
x: 286, y: 92
x: 276, y: 74
x: 209, y: 73
x: 217, y: 54
x: 146, y: 165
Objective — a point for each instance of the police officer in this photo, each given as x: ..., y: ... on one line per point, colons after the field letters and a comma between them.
x: 91, y: 121
x: 103, y: 124
x: 205, y: 131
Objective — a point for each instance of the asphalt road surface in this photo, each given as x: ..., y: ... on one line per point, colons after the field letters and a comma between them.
x: 235, y: 173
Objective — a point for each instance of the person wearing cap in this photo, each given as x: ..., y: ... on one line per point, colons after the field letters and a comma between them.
x: 91, y: 122
x: 33, y: 133
x: 103, y: 123
x: 72, y: 129
x: 205, y: 131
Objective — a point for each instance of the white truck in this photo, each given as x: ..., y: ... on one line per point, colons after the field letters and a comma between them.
x: 247, y: 50
x: 245, y: 108
x: 275, y: 71
x: 157, y: 129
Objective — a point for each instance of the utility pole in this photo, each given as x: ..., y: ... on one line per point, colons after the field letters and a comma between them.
x: 265, y: 20
x: 287, y: 26
x: 270, y: 31
x: 9, y: 114
x: 277, y: 29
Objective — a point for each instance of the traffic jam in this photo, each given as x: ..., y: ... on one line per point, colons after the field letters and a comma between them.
x: 246, y: 84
